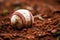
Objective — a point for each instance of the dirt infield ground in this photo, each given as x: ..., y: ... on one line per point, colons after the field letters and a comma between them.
x: 46, y: 24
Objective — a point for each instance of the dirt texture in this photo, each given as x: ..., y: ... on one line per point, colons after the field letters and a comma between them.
x: 46, y: 24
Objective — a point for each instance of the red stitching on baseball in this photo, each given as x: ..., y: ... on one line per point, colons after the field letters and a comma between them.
x: 21, y: 16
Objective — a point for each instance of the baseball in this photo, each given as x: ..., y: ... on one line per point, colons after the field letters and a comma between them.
x: 22, y: 18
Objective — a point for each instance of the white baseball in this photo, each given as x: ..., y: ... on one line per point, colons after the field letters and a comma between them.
x: 24, y: 14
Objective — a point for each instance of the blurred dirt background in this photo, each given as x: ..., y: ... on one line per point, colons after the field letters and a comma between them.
x: 46, y: 24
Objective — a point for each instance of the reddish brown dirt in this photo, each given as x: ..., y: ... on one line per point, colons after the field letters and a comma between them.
x: 42, y: 29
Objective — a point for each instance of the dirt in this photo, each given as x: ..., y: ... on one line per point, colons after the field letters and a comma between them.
x: 46, y: 24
